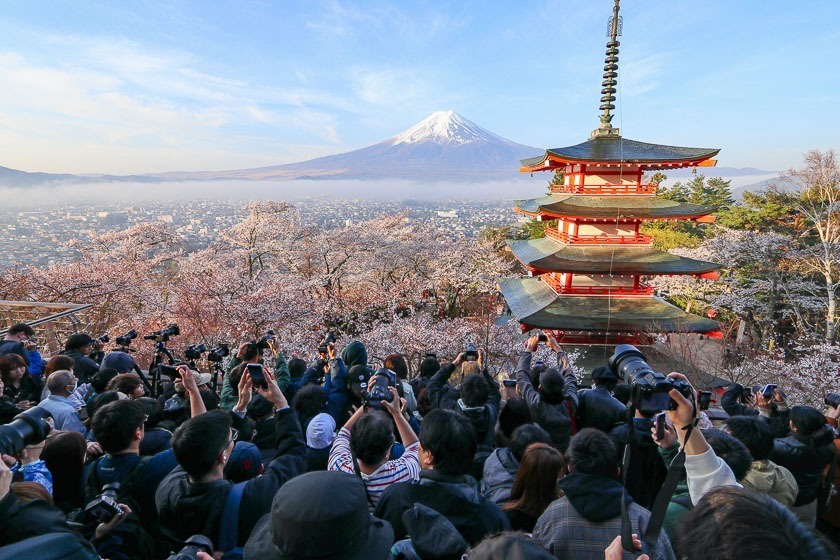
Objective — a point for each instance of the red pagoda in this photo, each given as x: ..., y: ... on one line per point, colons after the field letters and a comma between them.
x: 586, y: 276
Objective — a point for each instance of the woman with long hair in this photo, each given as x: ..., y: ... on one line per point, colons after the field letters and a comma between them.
x: 535, y: 486
x: 64, y: 456
x: 806, y: 453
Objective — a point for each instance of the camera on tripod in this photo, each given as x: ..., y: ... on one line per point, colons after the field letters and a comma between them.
x: 164, y: 335
x: 125, y: 339
x: 103, y: 339
x: 218, y: 353
x: 650, y: 388
x: 194, y: 351
x: 378, y: 388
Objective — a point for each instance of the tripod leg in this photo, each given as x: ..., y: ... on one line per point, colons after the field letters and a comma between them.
x: 143, y: 378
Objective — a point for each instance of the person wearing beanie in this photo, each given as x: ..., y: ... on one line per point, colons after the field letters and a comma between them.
x: 320, y: 515
x: 320, y: 434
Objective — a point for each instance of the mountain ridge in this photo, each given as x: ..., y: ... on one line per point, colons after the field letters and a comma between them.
x: 445, y: 146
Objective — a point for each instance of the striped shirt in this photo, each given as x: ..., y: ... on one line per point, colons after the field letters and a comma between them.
x: 404, y: 469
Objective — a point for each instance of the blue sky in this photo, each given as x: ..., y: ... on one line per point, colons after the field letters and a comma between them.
x: 145, y: 86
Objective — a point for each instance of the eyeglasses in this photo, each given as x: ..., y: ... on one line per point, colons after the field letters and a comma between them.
x: 234, y: 434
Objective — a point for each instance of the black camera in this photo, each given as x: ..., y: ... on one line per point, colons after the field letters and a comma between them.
x: 168, y: 371
x: 125, y: 339
x: 832, y: 399
x: 267, y: 340
x: 218, y: 353
x: 650, y: 388
x: 27, y: 428
x: 328, y: 339
x: 192, y: 546
x: 164, y: 334
x: 194, y: 351
x: 105, y: 506
x: 378, y: 386
x: 104, y: 338
x: 471, y: 352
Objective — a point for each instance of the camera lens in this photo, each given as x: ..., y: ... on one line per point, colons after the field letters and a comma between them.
x: 27, y: 428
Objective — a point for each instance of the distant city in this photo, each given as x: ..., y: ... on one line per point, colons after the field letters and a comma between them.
x: 38, y: 235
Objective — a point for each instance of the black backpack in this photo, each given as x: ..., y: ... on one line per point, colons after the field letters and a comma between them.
x: 137, y: 538
x: 54, y: 546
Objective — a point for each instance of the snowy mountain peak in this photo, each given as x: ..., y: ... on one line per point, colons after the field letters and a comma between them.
x: 445, y: 127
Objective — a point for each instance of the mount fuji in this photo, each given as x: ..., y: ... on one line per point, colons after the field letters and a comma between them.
x: 443, y: 146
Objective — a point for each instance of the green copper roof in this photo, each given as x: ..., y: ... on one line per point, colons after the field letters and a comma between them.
x: 549, y: 255
x: 617, y: 149
x: 533, y: 303
x: 612, y: 207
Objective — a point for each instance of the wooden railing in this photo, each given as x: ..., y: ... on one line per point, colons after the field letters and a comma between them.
x: 560, y: 288
x: 599, y: 239
x: 641, y: 188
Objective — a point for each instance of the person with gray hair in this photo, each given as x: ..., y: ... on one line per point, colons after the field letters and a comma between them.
x: 61, y: 385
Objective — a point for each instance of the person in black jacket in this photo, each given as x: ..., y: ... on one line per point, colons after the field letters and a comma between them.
x: 806, y: 453
x: 647, y: 470
x: 78, y: 346
x: 774, y: 410
x: 554, y: 402
x: 479, y: 403
x: 191, y: 500
x: 597, y: 408
x: 447, y: 445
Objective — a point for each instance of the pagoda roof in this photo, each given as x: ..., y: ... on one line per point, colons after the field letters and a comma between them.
x: 548, y: 255
x: 534, y: 304
x: 615, y: 149
x: 611, y: 207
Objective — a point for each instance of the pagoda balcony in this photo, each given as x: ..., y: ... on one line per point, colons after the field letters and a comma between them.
x: 560, y: 288
x: 598, y: 239
x: 606, y: 189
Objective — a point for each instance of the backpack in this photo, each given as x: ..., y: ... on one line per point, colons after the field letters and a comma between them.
x: 54, y: 546
x: 136, y: 537
x: 12, y: 347
x: 229, y: 524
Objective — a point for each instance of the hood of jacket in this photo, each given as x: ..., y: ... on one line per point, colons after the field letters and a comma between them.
x: 596, y: 498
x: 189, y: 509
x: 463, y: 486
x: 354, y: 354
x: 499, y: 471
x: 765, y: 475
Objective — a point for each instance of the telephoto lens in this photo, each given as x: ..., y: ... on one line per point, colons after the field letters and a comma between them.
x: 26, y: 429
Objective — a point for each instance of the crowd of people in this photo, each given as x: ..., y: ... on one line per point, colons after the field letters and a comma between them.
x: 341, y: 458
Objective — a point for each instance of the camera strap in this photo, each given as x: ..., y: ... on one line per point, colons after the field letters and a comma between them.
x: 676, y: 471
x: 358, y: 472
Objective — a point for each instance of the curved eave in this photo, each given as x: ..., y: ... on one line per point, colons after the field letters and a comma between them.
x: 620, y: 150
x: 631, y: 207
x: 546, y: 255
x: 535, y: 304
